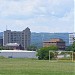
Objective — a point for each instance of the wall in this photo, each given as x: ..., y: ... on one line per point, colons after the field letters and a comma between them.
x: 18, y: 54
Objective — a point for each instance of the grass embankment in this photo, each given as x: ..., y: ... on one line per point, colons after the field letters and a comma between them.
x: 10, y: 66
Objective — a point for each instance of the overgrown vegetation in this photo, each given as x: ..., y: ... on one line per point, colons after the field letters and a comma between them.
x: 3, y: 48
x: 71, y: 47
x: 32, y: 48
x: 43, y: 53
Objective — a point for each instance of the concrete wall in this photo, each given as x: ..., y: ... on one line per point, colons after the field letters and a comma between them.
x: 18, y: 54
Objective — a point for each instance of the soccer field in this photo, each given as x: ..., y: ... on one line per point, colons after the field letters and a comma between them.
x: 35, y: 67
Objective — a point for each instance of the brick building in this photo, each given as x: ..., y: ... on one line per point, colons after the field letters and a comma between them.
x: 56, y: 42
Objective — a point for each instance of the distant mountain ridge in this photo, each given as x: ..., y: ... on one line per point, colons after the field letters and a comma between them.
x: 38, y: 38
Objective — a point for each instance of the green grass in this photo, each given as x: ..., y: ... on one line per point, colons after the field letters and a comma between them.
x: 35, y: 67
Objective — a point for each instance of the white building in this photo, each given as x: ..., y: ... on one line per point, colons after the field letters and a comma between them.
x: 71, y: 38
x: 18, y: 54
x: 21, y: 37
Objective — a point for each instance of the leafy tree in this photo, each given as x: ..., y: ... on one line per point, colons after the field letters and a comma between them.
x: 2, y: 48
x: 43, y: 53
x: 32, y: 48
x: 71, y: 48
x: 68, y: 48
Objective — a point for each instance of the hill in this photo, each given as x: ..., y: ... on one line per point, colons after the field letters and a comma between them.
x: 38, y: 38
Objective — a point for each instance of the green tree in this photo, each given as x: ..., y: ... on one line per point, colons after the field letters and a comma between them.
x: 71, y: 47
x: 68, y: 48
x: 32, y: 48
x: 4, y: 48
x: 43, y: 53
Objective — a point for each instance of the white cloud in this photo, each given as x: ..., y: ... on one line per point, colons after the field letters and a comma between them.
x: 34, y: 7
x: 13, y: 8
x: 39, y: 15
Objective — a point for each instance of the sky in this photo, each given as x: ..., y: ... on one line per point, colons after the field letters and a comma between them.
x: 38, y: 15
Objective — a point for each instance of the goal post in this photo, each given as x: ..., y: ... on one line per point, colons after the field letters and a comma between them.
x: 61, y: 56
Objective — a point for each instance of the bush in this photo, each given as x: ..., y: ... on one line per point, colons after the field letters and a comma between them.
x: 43, y: 53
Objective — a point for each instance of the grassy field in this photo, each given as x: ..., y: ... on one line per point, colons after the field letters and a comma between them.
x: 35, y: 67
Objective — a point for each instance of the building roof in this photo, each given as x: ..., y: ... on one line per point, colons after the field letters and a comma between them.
x: 55, y: 40
x: 12, y: 44
x: 16, y: 51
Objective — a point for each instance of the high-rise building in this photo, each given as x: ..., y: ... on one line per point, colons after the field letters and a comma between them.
x: 21, y: 37
x: 1, y: 41
x: 71, y: 38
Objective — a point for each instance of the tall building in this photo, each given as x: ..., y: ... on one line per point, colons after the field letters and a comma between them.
x: 71, y: 38
x: 21, y: 37
x: 1, y: 41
